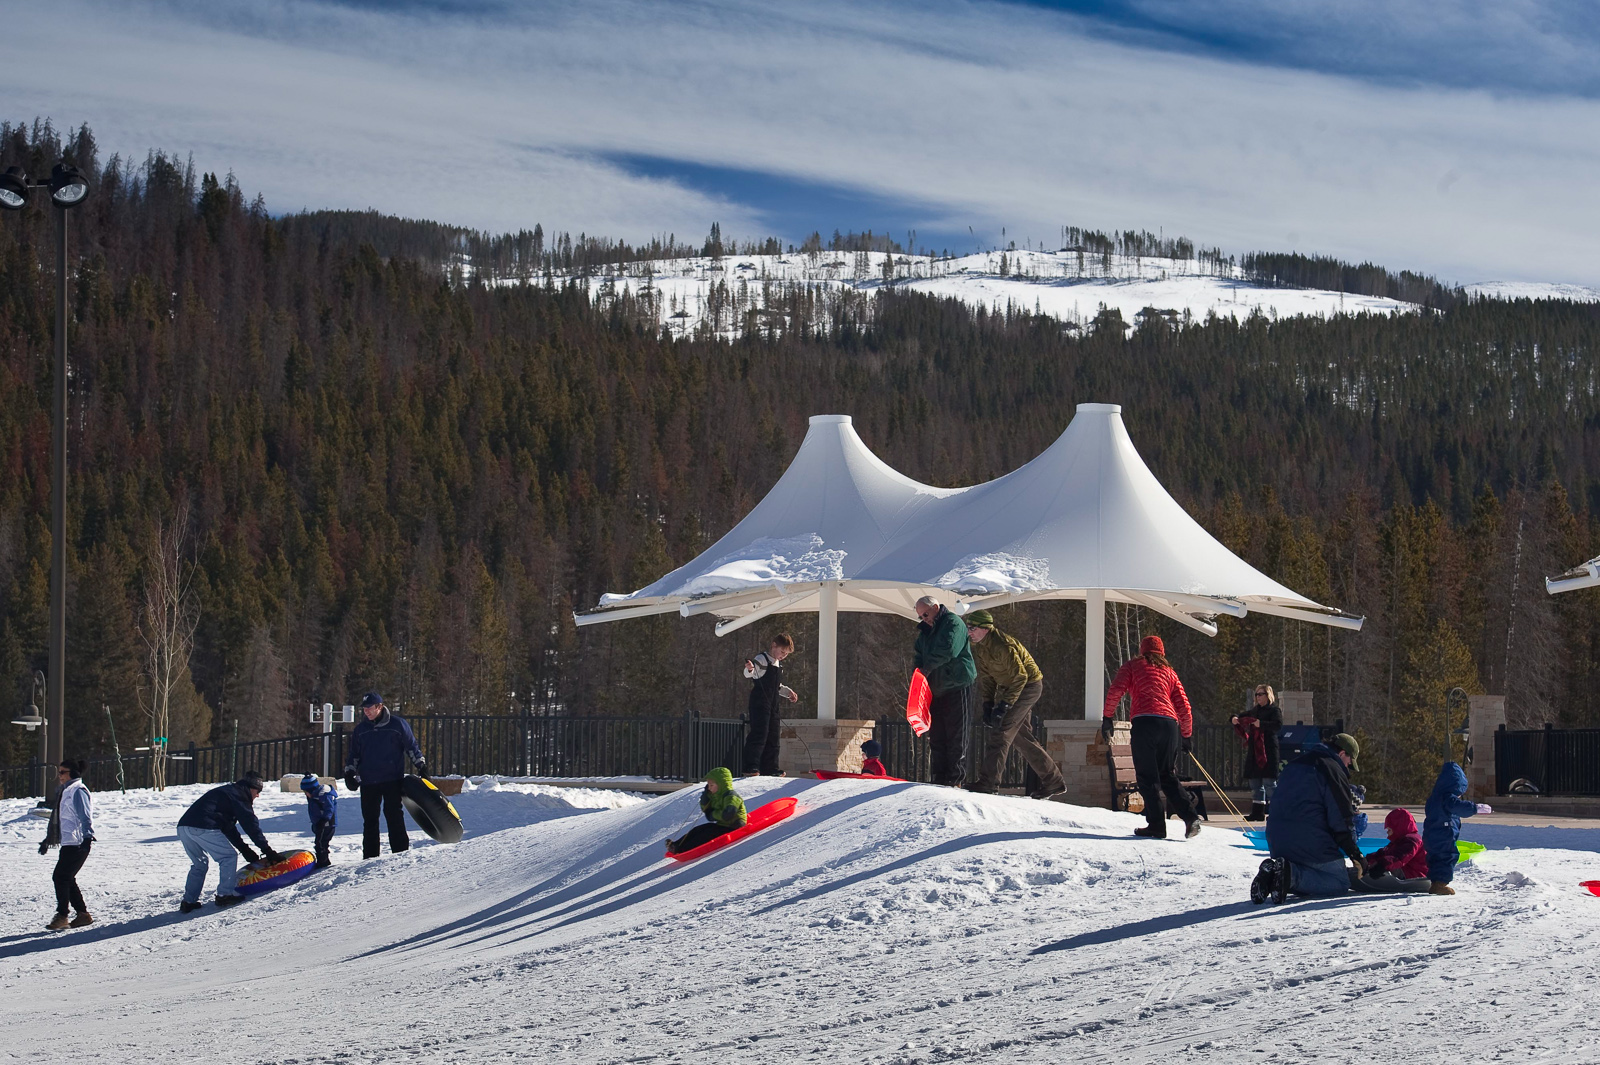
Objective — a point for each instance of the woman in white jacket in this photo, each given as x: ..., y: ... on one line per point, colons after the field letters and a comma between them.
x: 71, y: 829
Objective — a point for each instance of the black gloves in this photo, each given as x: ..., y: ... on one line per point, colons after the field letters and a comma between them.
x: 249, y: 855
x: 44, y: 848
x: 1186, y: 745
x: 1347, y: 843
x: 1107, y: 726
x: 995, y: 716
x: 420, y: 767
x: 351, y: 781
x: 273, y: 857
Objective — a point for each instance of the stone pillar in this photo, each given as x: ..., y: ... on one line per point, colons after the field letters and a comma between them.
x: 1075, y: 746
x: 1485, y: 714
x: 1297, y: 708
x: 811, y: 743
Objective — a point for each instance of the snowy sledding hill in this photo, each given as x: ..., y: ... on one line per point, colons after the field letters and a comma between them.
x: 717, y: 294
x: 889, y: 923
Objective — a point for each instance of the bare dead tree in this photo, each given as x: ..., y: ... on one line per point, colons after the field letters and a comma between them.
x: 166, y: 625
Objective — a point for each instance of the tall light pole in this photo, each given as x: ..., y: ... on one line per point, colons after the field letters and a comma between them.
x: 68, y: 188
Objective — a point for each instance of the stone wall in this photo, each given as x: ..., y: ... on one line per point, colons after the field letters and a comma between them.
x: 1485, y: 714
x: 1297, y: 708
x: 1075, y: 746
x: 805, y: 744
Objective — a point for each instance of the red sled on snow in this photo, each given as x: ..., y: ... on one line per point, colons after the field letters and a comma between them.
x: 835, y: 774
x: 1592, y: 885
x: 919, y: 703
x: 761, y: 817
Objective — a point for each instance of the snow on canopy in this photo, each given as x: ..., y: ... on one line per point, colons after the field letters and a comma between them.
x: 1086, y: 514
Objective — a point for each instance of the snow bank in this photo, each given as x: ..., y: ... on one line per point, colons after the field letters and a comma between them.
x: 882, y: 923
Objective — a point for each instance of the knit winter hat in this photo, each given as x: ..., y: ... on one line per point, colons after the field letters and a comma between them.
x: 872, y: 749
x: 1347, y: 743
x: 309, y: 782
x: 980, y: 619
x: 253, y: 781
x: 1152, y: 643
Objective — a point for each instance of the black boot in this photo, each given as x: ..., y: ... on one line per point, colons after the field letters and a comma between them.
x: 1258, y: 812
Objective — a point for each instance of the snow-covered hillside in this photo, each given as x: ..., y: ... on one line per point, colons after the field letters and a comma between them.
x: 1533, y: 290
x: 717, y: 294
x: 890, y: 923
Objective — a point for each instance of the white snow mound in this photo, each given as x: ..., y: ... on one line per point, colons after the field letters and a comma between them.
x: 883, y: 922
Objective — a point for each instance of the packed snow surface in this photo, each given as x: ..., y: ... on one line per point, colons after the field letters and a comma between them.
x: 1534, y: 290
x: 890, y: 923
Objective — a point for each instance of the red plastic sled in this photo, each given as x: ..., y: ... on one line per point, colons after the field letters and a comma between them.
x: 1592, y: 885
x: 761, y: 817
x: 919, y: 703
x: 834, y: 774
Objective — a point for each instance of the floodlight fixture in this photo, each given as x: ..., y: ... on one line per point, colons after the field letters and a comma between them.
x: 14, y: 189
x: 68, y: 186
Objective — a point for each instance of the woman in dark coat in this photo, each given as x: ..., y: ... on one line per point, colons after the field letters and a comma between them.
x: 1259, y: 730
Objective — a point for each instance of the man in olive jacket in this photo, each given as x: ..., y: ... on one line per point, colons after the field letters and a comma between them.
x: 944, y: 655
x: 1010, y: 685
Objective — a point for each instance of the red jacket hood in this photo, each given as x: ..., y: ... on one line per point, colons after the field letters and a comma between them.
x: 1400, y: 823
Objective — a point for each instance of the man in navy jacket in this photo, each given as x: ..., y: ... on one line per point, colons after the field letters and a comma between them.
x: 379, y: 747
x: 1312, y: 827
x: 209, y: 829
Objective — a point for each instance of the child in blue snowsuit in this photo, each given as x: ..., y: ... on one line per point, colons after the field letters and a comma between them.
x: 1441, y: 826
x: 322, y: 802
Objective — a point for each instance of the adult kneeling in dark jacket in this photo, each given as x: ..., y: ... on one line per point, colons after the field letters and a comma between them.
x: 379, y: 747
x: 1313, y: 825
x: 210, y: 829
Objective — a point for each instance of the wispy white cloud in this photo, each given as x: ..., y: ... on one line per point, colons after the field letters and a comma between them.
x: 499, y: 116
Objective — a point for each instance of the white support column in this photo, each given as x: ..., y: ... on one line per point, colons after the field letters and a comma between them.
x: 1094, y: 654
x: 827, y: 650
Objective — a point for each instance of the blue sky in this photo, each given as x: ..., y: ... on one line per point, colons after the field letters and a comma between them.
x: 1461, y: 138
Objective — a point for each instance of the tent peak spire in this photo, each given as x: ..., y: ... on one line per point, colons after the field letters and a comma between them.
x: 830, y: 419
x: 1099, y: 408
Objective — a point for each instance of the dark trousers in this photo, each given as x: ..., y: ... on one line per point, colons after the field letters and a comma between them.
x: 66, y: 878
x: 1155, y: 743
x: 1017, y: 729
x: 948, y: 734
x: 323, y: 831
x: 761, y: 745
x: 386, y: 795
x: 704, y: 832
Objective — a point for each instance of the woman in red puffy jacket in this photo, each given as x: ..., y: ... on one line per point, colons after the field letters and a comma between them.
x: 1162, y: 726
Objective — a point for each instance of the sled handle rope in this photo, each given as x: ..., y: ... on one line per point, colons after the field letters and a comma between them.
x: 1232, y: 809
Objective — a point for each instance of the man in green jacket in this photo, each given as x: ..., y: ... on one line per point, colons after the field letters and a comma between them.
x: 944, y: 655
x: 1009, y: 685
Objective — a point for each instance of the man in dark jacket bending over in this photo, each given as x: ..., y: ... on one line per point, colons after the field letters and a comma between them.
x: 379, y: 747
x: 1312, y: 828
x: 210, y: 829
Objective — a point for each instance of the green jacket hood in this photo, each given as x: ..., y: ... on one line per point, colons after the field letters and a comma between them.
x: 725, y: 807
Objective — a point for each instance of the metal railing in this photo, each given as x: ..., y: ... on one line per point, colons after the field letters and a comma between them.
x: 671, y: 748
x: 1555, y: 761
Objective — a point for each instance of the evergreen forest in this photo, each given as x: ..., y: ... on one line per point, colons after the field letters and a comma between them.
x: 383, y: 473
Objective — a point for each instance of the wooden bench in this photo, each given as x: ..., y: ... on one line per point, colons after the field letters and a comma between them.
x: 1125, y: 787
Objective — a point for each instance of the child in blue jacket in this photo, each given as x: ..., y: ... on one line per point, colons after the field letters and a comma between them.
x: 322, y: 802
x: 1441, y: 826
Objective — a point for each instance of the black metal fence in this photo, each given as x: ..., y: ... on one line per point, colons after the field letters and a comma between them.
x: 1555, y: 761
x: 670, y: 748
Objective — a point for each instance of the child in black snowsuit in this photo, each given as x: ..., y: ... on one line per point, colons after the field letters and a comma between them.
x: 765, y: 671
x: 323, y: 805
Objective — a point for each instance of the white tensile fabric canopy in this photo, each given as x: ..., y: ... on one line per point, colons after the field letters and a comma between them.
x: 1578, y: 577
x: 1087, y: 520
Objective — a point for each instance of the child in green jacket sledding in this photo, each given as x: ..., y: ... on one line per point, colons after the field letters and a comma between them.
x: 724, y: 812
